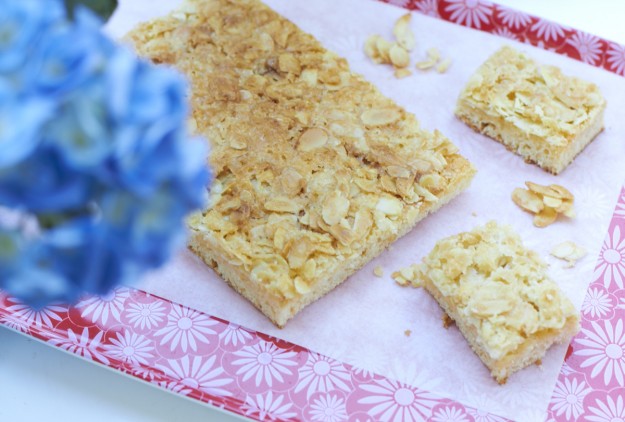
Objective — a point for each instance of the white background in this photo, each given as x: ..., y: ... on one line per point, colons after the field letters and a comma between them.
x: 38, y: 382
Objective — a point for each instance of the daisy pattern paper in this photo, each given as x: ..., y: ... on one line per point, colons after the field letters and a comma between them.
x: 520, y: 26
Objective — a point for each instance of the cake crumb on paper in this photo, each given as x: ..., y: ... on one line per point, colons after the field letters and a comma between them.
x: 378, y: 271
x: 407, y: 333
x: 407, y: 276
x: 569, y: 252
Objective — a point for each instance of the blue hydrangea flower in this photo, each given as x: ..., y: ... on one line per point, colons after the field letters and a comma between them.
x: 93, y: 145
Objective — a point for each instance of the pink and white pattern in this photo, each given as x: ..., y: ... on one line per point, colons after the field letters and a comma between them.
x: 588, y: 47
x: 472, y: 13
x: 543, y: 33
x: 246, y: 372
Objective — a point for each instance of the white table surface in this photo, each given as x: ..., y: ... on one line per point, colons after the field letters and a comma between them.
x: 41, y: 383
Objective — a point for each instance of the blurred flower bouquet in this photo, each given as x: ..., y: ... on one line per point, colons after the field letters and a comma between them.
x: 96, y: 169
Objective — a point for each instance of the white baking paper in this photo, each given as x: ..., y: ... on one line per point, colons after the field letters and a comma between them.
x: 363, y: 321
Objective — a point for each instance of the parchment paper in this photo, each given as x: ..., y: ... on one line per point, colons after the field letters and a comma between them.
x: 363, y: 321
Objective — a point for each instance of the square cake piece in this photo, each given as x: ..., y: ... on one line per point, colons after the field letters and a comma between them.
x: 316, y: 172
x: 535, y: 111
x: 499, y: 296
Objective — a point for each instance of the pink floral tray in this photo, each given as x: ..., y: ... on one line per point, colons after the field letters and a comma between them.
x: 265, y: 378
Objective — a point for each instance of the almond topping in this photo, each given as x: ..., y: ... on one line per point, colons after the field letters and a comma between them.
x: 389, y: 206
x: 335, y: 208
x: 282, y: 205
x: 380, y: 116
x: 312, y: 139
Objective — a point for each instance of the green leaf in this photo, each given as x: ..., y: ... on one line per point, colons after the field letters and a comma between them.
x: 102, y: 8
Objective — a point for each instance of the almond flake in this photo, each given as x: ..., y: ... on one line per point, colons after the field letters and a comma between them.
x: 312, y: 139
x: 380, y: 116
x: 443, y: 66
x: 403, y: 33
x: 433, y: 54
x: 402, y: 73
x: 399, y: 56
x: 545, y: 217
x: 426, y: 64
x: 527, y: 200
x: 389, y: 206
x: 569, y: 252
x: 335, y: 208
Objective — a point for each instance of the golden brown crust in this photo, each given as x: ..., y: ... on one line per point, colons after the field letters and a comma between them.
x: 535, y: 111
x: 316, y: 171
x: 500, y: 297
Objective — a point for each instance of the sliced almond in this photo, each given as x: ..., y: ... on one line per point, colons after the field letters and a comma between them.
x: 545, y: 217
x: 443, y: 66
x: 389, y: 206
x: 527, y: 200
x: 334, y: 208
x: 312, y: 138
x: 569, y: 252
x: 552, y: 202
x: 371, y: 48
x: 426, y: 64
x: 540, y: 189
x: 299, y: 252
x: 402, y: 73
x: 403, y: 33
x: 301, y: 286
x: 399, y: 56
x: 397, y: 171
x: 487, y: 307
x: 383, y: 47
x: 363, y: 221
x: 283, y: 205
x: 342, y: 234
x: 288, y: 63
x: 568, y: 210
x: 380, y: 116
x: 561, y: 192
x: 433, y: 54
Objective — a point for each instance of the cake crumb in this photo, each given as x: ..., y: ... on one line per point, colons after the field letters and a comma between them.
x: 378, y: 271
x: 569, y: 252
x: 407, y: 276
x: 474, y: 214
x: 407, y: 333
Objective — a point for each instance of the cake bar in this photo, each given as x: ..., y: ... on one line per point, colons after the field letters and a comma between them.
x: 316, y: 172
x: 545, y: 117
x: 499, y: 296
